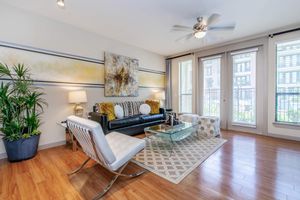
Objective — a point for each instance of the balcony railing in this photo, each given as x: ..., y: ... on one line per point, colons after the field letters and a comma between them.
x: 288, y: 106
x: 244, y: 106
x: 211, y: 102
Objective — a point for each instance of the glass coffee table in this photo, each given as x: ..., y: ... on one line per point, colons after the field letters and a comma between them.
x: 171, y: 134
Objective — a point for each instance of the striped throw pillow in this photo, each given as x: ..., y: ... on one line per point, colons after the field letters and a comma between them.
x: 130, y: 107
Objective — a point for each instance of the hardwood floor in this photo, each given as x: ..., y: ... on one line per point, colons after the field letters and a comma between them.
x: 246, y: 167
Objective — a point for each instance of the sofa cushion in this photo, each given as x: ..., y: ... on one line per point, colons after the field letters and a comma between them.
x: 119, y: 112
x: 130, y: 107
x: 154, y: 105
x: 150, y: 118
x: 145, y: 109
x: 127, y: 121
x: 107, y: 109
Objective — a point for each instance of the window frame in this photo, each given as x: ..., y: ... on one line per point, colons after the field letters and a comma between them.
x: 287, y: 76
x: 231, y: 66
x: 275, y: 128
x: 202, y: 60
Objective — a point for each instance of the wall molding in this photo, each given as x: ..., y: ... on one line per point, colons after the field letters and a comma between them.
x: 52, y: 84
x: 66, y: 55
x: 49, y: 52
x: 151, y: 71
x: 46, y: 83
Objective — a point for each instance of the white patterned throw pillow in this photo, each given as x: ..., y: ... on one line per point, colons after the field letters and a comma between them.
x: 119, y: 112
x: 145, y: 109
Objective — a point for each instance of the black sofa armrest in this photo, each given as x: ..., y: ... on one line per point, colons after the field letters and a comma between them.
x: 101, y: 119
x: 162, y: 111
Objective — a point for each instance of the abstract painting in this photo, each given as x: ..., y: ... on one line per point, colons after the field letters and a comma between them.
x: 121, y: 76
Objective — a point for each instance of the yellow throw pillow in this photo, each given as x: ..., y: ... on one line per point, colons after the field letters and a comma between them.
x: 154, y: 105
x: 107, y: 109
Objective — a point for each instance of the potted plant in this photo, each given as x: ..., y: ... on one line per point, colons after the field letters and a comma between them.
x: 21, y: 106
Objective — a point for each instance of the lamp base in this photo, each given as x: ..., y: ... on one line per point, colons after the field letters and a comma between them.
x: 78, y: 110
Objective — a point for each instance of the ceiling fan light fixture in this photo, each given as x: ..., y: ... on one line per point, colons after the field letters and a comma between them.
x: 200, y: 34
x: 60, y: 3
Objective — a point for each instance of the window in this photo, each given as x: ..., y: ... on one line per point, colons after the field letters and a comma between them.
x: 211, y: 91
x: 288, y: 87
x: 185, y: 86
x: 281, y: 78
x: 244, y: 88
x: 208, y: 71
x: 248, y: 68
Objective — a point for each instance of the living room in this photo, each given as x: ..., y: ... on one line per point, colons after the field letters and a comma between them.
x: 150, y: 100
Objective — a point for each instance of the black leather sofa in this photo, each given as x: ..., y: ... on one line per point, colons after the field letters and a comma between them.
x: 129, y: 125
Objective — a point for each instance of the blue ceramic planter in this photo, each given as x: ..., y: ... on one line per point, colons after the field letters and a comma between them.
x: 22, y: 149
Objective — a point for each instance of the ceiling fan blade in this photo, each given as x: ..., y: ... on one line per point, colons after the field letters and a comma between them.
x: 185, y: 37
x: 184, y: 30
x: 214, y: 18
x: 221, y: 28
x: 182, y: 27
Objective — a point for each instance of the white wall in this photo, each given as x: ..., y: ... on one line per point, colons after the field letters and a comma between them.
x: 24, y: 28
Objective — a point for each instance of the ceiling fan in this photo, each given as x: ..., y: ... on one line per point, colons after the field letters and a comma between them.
x: 202, y: 27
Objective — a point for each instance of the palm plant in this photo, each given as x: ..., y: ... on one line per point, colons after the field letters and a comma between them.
x: 21, y: 103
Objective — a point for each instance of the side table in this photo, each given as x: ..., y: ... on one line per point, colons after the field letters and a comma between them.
x: 70, y: 139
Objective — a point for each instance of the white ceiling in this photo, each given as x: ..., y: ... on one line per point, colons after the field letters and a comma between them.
x: 147, y: 23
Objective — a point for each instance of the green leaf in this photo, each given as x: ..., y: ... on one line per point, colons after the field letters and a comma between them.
x: 21, y: 103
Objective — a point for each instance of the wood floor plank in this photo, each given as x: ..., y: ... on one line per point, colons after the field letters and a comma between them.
x: 246, y: 167
x: 26, y: 186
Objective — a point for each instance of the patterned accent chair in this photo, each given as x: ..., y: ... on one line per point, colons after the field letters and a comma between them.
x: 208, y: 125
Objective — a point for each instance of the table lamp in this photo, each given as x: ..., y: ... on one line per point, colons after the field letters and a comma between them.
x: 161, y: 97
x: 77, y: 98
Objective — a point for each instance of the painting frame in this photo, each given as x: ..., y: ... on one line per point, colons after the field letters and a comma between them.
x: 121, y: 76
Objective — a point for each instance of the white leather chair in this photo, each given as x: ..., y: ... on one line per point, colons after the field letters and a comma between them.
x: 113, y: 151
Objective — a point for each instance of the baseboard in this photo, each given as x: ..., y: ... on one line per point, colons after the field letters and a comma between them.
x: 50, y: 145
x: 2, y: 156
x: 287, y: 137
x: 41, y: 147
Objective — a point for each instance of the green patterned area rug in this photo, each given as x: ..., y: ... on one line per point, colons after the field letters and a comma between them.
x: 186, y: 155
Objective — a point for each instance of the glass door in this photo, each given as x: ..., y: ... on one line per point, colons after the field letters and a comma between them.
x: 211, y: 102
x: 244, y: 87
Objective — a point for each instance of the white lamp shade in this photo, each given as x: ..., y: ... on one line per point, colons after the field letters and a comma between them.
x: 77, y: 96
x: 160, y: 96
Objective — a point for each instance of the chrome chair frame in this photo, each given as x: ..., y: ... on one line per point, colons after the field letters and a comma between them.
x: 117, y: 173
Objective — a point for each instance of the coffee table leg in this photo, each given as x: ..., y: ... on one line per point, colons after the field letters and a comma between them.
x: 171, y: 144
